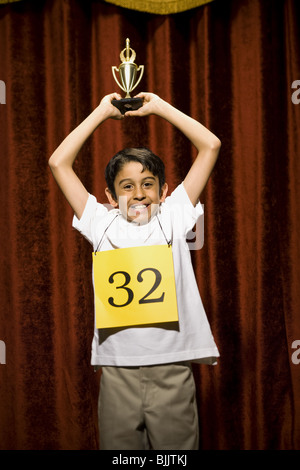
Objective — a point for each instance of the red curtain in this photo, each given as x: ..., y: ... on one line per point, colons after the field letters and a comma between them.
x: 230, y: 65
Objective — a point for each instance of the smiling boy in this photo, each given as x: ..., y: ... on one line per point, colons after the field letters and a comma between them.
x: 147, y: 392
x: 136, y: 184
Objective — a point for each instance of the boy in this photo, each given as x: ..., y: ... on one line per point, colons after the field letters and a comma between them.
x: 147, y: 392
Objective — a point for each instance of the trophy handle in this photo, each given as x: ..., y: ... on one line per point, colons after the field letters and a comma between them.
x: 141, y: 70
x: 113, y: 72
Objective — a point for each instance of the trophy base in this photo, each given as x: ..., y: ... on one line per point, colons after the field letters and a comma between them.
x: 128, y: 104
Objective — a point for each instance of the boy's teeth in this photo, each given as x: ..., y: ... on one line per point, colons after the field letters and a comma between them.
x: 141, y: 206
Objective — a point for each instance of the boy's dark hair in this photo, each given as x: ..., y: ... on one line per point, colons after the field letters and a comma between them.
x: 142, y: 155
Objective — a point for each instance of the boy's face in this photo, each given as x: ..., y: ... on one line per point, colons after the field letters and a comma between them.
x: 137, y: 191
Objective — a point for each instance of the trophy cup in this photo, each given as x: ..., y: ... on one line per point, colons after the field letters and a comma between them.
x: 128, y: 72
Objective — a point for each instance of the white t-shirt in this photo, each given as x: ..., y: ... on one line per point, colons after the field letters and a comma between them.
x: 192, y: 340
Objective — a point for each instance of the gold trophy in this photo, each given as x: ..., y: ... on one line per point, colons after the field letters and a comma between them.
x: 128, y: 72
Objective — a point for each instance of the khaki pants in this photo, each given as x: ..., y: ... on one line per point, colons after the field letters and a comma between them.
x: 151, y: 407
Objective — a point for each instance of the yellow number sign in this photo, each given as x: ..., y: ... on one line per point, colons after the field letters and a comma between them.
x: 134, y: 286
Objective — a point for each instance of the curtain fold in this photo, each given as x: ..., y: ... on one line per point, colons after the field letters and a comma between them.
x: 231, y: 66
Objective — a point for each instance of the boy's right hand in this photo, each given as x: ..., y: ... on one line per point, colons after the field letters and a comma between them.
x: 108, y: 108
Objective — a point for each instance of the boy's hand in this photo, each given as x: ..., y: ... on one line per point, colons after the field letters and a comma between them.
x: 108, y: 108
x: 150, y: 103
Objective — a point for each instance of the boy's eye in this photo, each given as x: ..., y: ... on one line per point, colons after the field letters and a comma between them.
x: 148, y: 184
x: 127, y: 186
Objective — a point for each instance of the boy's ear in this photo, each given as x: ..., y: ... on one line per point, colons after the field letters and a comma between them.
x: 110, y: 198
x: 163, y: 192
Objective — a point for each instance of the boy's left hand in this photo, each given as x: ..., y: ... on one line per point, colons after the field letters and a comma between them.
x: 150, y: 102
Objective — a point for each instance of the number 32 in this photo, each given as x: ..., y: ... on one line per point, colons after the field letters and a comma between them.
x: 144, y: 300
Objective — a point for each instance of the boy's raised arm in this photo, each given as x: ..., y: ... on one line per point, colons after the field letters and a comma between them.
x: 61, y: 161
x: 207, y: 144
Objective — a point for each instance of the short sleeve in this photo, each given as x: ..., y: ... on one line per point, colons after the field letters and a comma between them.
x: 92, y: 211
x: 184, y: 213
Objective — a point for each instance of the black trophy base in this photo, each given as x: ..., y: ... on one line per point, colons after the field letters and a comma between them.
x: 128, y: 104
